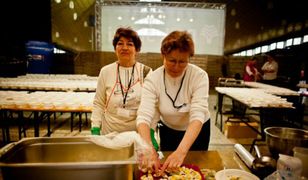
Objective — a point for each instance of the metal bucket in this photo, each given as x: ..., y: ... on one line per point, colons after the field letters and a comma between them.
x: 68, y: 158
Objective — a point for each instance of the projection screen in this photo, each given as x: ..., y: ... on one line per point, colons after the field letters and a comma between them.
x: 153, y: 21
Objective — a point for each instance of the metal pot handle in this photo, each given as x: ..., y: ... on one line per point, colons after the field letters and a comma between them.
x: 258, y: 153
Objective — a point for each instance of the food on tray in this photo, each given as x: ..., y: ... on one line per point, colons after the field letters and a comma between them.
x: 234, y: 178
x: 209, y: 174
x: 183, y: 173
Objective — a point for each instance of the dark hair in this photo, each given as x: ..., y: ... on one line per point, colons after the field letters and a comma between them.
x: 268, y: 56
x: 180, y: 40
x: 127, y: 33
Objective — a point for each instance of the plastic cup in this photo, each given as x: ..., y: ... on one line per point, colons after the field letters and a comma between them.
x: 302, y: 154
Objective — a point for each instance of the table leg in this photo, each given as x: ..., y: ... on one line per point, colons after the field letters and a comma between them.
x: 219, y: 109
x: 48, y: 124
x: 20, y: 124
x: 36, y: 124
x: 80, y: 120
x: 5, y: 126
x: 72, y: 121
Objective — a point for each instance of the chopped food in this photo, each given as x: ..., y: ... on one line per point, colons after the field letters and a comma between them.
x: 184, y: 173
x: 234, y: 178
x: 209, y: 174
x: 147, y: 177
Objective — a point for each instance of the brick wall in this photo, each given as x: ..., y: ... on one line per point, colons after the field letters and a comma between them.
x: 90, y: 63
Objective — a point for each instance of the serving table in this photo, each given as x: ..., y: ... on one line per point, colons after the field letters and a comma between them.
x: 50, y: 82
x: 41, y: 105
x: 263, y: 100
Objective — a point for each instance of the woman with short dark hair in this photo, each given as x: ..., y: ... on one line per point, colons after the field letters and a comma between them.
x: 119, y: 85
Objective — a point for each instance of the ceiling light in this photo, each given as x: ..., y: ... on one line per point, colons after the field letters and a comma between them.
x: 71, y: 4
x: 237, y: 25
x: 75, y: 16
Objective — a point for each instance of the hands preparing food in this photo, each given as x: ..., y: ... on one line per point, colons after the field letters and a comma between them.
x: 183, y: 172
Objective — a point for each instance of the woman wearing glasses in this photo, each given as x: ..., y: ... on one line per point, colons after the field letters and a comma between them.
x: 119, y: 85
x: 178, y: 93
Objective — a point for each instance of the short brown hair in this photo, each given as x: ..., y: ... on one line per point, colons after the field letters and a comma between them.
x: 127, y: 33
x: 180, y: 40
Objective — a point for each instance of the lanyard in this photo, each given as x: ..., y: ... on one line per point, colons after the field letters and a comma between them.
x: 173, y: 101
x: 129, y: 84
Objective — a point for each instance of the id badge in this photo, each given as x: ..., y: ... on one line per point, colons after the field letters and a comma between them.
x: 123, y: 112
x: 185, y: 108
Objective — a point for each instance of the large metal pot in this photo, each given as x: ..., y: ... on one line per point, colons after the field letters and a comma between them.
x: 282, y: 140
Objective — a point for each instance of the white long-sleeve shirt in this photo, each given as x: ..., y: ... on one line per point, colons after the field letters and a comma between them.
x: 270, y: 66
x: 194, y: 93
x: 108, y: 112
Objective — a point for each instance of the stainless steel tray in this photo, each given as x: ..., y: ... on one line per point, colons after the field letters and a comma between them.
x: 65, y: 158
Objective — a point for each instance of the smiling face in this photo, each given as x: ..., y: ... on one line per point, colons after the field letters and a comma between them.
x: 176, y: 62
x: 126, y: 51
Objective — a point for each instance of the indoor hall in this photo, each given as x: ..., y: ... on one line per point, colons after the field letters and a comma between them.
x: 61, y: 125
x: 68, y: 42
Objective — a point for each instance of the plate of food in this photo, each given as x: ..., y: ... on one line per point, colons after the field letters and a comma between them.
x: 184, y: 172
x: 234, y: 174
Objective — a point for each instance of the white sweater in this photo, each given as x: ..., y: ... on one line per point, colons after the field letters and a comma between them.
x: 108, y: 100
x: 194, y: 92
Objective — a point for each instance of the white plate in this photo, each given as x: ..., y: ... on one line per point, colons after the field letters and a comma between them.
x: 228, y: 173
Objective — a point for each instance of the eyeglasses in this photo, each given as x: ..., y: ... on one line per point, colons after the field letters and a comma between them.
x: 173, y: 62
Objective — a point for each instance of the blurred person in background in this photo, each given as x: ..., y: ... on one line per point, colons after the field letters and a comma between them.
x: 119, y: 85
x: 269, y: 69
x: 178, y: 92
x: 251, y: 72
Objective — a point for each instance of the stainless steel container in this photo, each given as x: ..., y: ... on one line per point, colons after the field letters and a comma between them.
x: 69, y: 158
x: 282, y: 140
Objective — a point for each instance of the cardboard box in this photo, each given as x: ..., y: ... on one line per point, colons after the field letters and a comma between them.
x: 240, y: 130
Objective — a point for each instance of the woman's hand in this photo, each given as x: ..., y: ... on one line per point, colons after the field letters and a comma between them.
x: 174, y: 161
x: 148, y: 160
x: 155, y: 161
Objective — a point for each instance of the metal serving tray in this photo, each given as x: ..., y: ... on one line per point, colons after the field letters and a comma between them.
x: 69, y: 158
